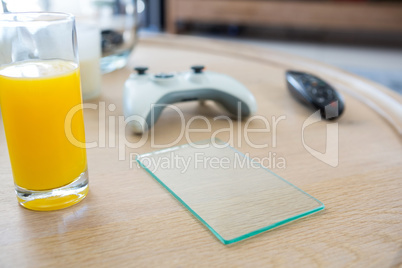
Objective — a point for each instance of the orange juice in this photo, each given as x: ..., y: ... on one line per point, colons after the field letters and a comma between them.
x: 35, y: 98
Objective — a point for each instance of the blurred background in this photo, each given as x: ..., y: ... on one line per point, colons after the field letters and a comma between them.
x: 360, y: 36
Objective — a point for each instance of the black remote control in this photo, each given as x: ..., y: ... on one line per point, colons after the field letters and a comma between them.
x: 315, y: 93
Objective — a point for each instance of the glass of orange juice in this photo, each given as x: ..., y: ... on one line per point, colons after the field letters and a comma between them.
x: 41, y: 106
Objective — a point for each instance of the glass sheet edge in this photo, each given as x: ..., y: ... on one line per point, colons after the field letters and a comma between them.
x: 247, y: 235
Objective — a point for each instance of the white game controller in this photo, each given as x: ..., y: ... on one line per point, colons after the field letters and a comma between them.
x: 146, y: 95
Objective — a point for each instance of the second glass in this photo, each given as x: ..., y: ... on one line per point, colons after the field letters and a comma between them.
x: 41, y: 105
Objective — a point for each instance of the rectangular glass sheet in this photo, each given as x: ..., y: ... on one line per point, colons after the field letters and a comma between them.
x: 234, y: 196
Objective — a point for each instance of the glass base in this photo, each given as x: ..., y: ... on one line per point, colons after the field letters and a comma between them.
x: 54, y: 199
x: 114, y: 62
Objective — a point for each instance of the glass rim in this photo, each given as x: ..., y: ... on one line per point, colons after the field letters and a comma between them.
x: 34, y: 18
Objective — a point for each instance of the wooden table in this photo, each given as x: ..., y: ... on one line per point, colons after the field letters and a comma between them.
x: 128, y: 219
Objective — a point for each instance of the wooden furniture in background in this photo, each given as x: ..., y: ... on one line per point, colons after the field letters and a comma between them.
x: 321, y: 15
x: 128, y: 219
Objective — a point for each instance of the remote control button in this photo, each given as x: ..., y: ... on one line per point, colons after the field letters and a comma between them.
x: 329, y: 93
x: 163, y: 75
x: 197, y: 68
x: 141, y: 69
x: 313, y: 90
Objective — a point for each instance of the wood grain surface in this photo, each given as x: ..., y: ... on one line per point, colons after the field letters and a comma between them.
x: 128, y: 219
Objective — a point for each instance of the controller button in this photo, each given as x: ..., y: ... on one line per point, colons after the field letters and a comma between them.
x: 197, y: 68
x: 163, y: 75
x: 141, y: 70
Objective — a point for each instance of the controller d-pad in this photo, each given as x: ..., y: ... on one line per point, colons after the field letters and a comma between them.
x: 164, y: 75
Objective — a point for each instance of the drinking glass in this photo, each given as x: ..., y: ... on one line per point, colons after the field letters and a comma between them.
x: 117, y: 22
x: 41, y: 105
